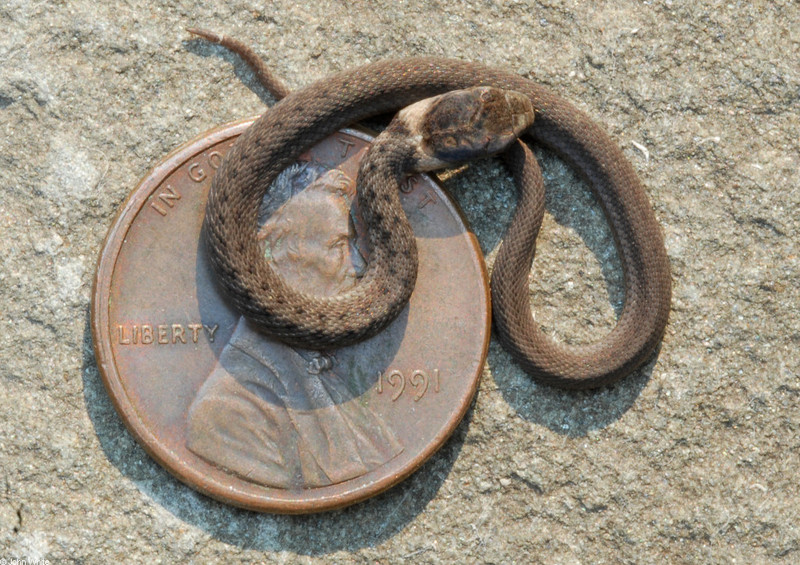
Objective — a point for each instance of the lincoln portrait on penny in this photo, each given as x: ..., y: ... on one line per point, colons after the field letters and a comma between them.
x: 281, y: 416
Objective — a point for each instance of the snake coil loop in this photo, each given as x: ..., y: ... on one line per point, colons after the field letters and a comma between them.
x: 306, y: 116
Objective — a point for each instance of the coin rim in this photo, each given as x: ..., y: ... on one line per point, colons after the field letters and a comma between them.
x: 180, y: 469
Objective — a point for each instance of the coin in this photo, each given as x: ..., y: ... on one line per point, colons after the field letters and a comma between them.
x: 251, y: 421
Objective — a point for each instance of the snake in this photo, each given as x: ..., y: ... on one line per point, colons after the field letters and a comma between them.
x: 437, y: 100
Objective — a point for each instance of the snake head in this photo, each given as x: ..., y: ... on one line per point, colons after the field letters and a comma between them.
x: 467, y: 124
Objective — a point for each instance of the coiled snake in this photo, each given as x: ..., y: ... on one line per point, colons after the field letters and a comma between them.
x: 420, y: 139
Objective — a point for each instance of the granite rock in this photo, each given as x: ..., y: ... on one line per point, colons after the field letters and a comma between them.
x: 693, y: 459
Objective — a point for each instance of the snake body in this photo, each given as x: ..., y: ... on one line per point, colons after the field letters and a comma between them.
x: 307, y: 116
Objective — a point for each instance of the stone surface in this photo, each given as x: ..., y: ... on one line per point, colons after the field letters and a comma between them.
x: 694, y: 459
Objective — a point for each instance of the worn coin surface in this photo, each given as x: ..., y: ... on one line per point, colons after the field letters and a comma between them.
x: 251, y: 421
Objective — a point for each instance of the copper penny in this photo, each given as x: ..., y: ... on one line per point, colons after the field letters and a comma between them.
x: 251, y: 421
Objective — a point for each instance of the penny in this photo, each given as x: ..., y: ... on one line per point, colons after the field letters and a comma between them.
x: 246, y: 419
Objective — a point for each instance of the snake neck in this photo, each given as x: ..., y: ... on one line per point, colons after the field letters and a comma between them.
x: 385, y: 166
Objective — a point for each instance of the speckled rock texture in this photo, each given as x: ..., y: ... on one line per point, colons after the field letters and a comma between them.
x: 694, y: 459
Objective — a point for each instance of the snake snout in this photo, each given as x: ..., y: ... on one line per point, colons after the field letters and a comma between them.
x: 521, y: 109
x: 505, y: 116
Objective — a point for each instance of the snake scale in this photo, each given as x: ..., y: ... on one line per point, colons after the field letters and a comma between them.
x: 304, y: 117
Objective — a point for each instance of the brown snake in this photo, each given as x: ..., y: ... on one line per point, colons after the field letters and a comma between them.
x: 306, y: 116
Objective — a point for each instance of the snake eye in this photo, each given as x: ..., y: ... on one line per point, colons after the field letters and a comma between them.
x: 450, y: 141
